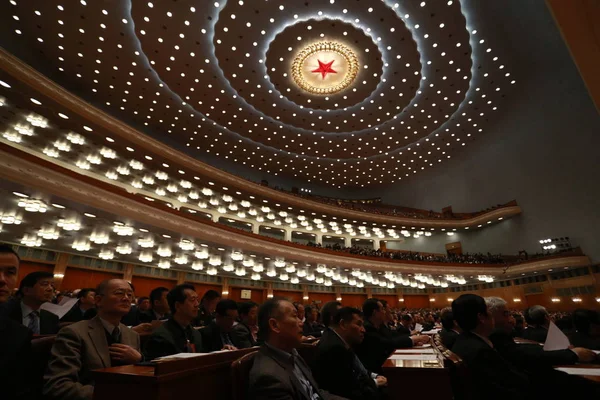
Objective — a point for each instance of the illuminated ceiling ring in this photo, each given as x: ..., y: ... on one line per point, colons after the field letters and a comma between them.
x: 339, y: 48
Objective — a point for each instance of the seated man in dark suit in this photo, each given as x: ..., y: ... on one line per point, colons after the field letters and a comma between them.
x: 15, y: 346
x: 159, y: 306
x: 84, y: 346
x: 328, y: 312
x: 86, y: 300
x: 36, y: 289
x: 405, y: 325
x: 538, y: 364
x: 493, y: 377
x: 587, y: 329
x: 311, y: 326
x: 143, y: 304
x: 519, y: 326
x: 538, y: 321
x: 336, y: 367
x: 177, y: 334
x: 278, y: 371
x: 378, y: 345
x: 245, y: 333
x: 217, y: 335
x: 208, y: 305
x: 450, y: 329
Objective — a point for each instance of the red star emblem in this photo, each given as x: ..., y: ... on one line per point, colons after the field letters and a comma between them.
x: 325, y: 68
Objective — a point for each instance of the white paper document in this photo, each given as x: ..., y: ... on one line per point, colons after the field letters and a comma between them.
x: 414, y: 351
x: 431, y: 332
x: 423, y: 346
x: 422, y: 357
x: 180, y: 355
x: 418, y: 327
x: 580, y: 371
x: 61, y: 309
x: 556, y: 339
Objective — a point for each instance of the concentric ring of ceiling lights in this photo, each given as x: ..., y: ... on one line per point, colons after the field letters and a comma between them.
x: 440, y: 80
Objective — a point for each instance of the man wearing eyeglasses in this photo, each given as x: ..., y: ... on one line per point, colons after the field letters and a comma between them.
x: 84, y: 346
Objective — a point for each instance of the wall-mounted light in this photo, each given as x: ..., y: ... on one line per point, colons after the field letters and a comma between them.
x: 517, y: 300
x: 555, y: 300
x: 577, y: 300
x: 450, y: 299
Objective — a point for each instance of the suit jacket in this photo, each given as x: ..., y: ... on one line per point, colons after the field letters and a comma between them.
x: 211, y: 338
x: 15, y: 360
x: 530, y: 356
x: 170, y: 338
x: 313, y: 329
x: 49, y: 323
x: 580, y: 339
x: 335, y: 370
x: 493, y: 377
x: 204, y: 318
x: 74, y: 314
x: 378, y: 345
x: 80, y: 348
x: 148, y: 316
x: 448, y: 337
x: 536, y: 333
x: 401, y: 329
x: 272, y: 378
x: 242, y: 336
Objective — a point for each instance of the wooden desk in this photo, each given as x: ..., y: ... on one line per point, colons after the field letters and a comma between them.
x: 208, y: 376
x: 584, y: 366
x: 419, y: 373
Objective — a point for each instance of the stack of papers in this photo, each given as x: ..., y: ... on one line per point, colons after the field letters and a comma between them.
x: 414, y: 351
x: 580, y: 371
x: 60, y: 309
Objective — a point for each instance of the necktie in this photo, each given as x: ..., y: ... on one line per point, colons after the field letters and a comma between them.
x: 308, y: 387
x: 116, y: 335
x: 360, y: 368
x: 225, y: 339
x: 34, y: 322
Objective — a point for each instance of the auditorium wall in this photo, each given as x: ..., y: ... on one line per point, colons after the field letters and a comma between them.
x: 540, y: 148
x: 27, y: 267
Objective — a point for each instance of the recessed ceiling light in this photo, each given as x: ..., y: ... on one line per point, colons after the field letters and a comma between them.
x: 58, y: 205
x: 89, y: 215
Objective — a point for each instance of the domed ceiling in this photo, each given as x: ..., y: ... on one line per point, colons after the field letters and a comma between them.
x: 337, y: 93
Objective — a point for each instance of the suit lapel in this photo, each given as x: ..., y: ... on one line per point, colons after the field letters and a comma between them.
x: 96, y: 332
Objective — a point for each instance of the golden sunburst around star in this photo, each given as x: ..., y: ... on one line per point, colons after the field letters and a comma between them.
x: 311, y: 57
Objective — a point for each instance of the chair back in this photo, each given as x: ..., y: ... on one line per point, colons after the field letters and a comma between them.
x: 459, y: 373
x: 240, y: 373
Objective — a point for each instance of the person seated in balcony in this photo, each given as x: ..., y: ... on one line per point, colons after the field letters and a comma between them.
x: 245, y: 333
x: 450, y: 329
x: 86, y: 301
x: 311, y: 326
x: 538, y: 321
x: 208, y: 305
x: 217, y: 335
x: 177, y: 335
